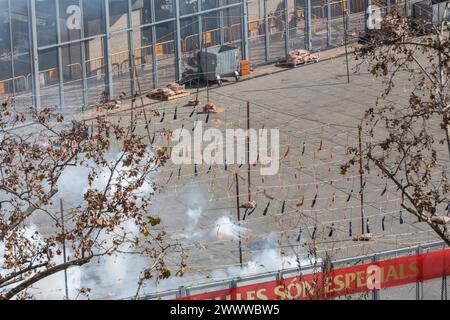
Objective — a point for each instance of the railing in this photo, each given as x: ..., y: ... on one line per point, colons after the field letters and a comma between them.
x: 275, y: 275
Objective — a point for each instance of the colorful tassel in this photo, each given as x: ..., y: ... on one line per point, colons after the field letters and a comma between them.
x: 384, y: 190
x: 299, y: 235
x: 313, y: 236
x: 266, y: 209
x: 300, y: 204
x: 331, y: 230
x: 314, y: 201
x: 287, y: 152
x: 350, y: 195
x: 362, y: 188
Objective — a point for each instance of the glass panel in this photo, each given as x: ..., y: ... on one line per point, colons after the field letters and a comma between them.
x: 19, y: 26
x: 93, y: 17
x: 188, y: 6
x: 211, y: 29
x: 95, y: 69
x: 141, y: 12
x: 210, y: 4
x: 6, y: 84
x: 69, y: 20
x: 121, y: 63
x: 296, y: 24
x: 232, y: 26
x: 48, y: 77
x: 276, y: 22
x: 46, y: 22
x: 256, y: 31
x: 189, y: 47
x: 143, y: 57
x: 319, y: 24
x: 165, y: 53
x: 163, y: 9
x: 337, y: 24
x: 72, y: 78
x: 118, y: 12
x: 226, y: 2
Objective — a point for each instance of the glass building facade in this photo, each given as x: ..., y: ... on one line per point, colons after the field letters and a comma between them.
x: 70, y: 53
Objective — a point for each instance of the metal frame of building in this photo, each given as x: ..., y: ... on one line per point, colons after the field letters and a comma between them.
x: 264, y: 30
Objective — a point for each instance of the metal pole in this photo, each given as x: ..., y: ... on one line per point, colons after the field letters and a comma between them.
x: 328, y: 23
x: 266, y: 29
x: 11, y: 47
x: 206, y: 71
x: 375, y: 292
x: 344, y: 20
x: 200, y: 26
x: 60, y: 64
x: 244, y: 24
x: 64, y: 247
x: 178, y: 54
x: 248, y: 154
x: 154, y: 41
x: 361, y: 178
x: 286, y: 27
x: 83, y: 60
x: 419, y: 284
x: 131, y: 48
x: 109, y: 70
x: 238, y: 216
x: 35, y: 55
x: 221, y: 25
x: 308, y: 26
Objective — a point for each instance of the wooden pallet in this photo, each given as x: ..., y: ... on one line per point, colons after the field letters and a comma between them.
x: 294, y: 65
x: 170, y: 98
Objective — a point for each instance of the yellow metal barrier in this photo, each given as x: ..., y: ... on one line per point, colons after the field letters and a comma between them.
x: 13, y: 81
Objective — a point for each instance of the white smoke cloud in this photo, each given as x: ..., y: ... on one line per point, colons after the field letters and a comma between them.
x: 227, y: 229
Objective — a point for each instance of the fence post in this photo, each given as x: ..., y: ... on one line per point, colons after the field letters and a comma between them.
x: 154, y: 51
x: 308, y: 26
x: 108, y: 56
x: 244, y: 28
x: 181, y: 292
x: 375, y: 292
x: 266, y: 29
x: 419, y: 284
x: 60, y: 66
x: 34, y: 51
x: 286, y: 27
x: 178, y: 71
x: 328, y: 23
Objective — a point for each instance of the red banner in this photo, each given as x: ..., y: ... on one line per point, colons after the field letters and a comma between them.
x: 342, y: 281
